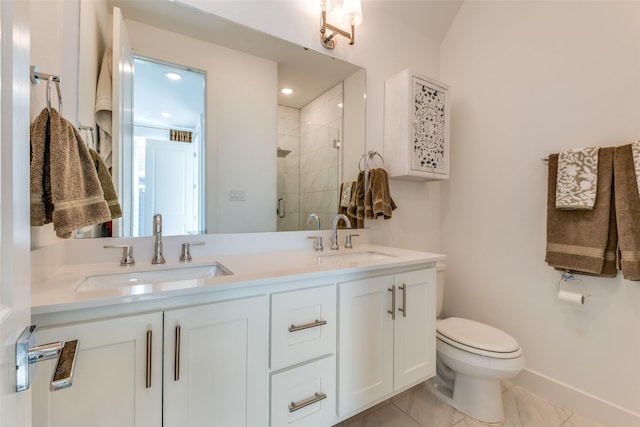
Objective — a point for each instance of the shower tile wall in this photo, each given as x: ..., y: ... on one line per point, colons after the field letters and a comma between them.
x: 288, y: 167
x: 319, y: 159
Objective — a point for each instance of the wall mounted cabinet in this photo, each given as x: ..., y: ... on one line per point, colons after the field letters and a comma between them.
x: 416, y: 127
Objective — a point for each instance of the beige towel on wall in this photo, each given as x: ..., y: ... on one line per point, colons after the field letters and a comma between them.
x: 583, y: 240
x: 577, y: 179
x: 627, y: 202
x: 76, y: 193
x: 378, y: 201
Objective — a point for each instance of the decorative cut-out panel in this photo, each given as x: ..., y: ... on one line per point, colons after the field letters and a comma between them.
x: 416, y: 127
x: 429, y: 128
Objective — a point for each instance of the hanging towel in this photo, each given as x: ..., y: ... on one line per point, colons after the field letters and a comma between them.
x: 106, y: 183
x: 104, y: 107
x: 355, y: 210
x: 40, y: 185
x: 378, y: 201
x: 577, y: 178
x: 346, y: 190
x: 635, y: 149
x: 345, y: 193
x: 74, y: 192
x: 627, y: 202
x: 583, y: 240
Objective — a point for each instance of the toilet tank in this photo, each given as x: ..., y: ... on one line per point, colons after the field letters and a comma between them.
x: 440, y: 270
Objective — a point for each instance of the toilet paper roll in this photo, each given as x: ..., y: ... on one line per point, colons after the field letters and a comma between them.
x: 571, y: 297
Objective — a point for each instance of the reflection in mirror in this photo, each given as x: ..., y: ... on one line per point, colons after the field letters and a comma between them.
x: 167, y: 148
x: 268, y: 161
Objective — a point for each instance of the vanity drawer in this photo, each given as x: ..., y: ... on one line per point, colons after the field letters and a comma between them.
x: 305, y: 395
x: 303, y: 325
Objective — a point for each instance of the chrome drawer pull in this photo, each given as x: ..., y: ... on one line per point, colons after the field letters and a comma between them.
x: 392, y: 312
x: 404, y: 300
x: 317, y: 397
x: 294, y: 328
x: 176, y: 355
x: 147, y: 383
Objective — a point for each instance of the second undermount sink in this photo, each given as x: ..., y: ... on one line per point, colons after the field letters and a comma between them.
x: 346, y: 257
x: 153, y: 280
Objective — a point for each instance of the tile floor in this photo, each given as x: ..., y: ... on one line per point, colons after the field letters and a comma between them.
x: 418, y: 407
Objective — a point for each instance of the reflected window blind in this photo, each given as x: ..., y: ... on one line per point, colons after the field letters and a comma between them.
x: 180, y: 135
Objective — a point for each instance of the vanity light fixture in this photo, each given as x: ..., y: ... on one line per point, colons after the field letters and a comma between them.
x: 351, y: 11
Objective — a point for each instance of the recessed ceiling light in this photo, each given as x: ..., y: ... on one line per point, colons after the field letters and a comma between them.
x: 172, y: 75
x: 287, y: 91
x: 165, y: 115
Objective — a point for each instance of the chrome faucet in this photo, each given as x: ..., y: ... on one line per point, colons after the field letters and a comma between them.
x: 334, y: 228
x: 312, y: 217
x: 158, y: 258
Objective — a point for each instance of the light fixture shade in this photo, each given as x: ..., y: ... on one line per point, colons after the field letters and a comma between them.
x: 352, y: 8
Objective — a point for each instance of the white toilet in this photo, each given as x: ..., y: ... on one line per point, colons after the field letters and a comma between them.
x: 472, y: 359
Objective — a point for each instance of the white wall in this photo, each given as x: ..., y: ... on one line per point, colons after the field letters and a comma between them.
x: 529, y: 79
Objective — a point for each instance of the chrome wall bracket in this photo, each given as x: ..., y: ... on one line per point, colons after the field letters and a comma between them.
x: 28, y: 353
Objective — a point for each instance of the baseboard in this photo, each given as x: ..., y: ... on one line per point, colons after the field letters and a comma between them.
x: 581, y: 403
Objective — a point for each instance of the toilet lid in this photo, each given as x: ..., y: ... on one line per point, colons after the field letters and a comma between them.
x: 477, y: 335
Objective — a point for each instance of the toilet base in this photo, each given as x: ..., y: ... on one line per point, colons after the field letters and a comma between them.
x: 478, y: 398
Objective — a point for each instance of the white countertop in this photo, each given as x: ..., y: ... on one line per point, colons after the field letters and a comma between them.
x: 59, y: 291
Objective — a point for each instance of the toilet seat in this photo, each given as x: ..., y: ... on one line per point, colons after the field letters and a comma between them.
x: 477, y: 338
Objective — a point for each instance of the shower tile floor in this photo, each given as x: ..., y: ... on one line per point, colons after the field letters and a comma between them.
x: 418, y: 407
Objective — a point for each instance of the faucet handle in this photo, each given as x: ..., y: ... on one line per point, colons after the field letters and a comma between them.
x: 348, y: 244
x: 127, y: 254
x: 186, y: 252
x: 317, y: 244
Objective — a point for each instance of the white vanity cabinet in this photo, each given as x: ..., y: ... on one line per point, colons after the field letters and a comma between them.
x: 387, y: 336
x: 128, y: 374
x: 118, y: 375
x: 416, y: 127
x: 215, y: 371
x: 303, y: 362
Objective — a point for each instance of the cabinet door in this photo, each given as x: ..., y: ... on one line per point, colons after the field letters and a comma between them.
x: 110, y: 379
x: 366, y: 342
x: 414, y: 328
x: 215, y: 370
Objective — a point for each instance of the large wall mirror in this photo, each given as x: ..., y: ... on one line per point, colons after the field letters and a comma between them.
x: 264, y: 160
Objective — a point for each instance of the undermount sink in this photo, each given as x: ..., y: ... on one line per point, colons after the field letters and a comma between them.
x: 136, y: 282
x: 352, y: 257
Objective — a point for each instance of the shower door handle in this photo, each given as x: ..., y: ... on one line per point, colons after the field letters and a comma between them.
x: 281, y: 206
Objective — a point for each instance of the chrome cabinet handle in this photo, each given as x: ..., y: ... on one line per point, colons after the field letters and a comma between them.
x: 404, y: 300
x: 392, y: 289
x: 317, y: 397
x: 176, y: 355
x: 149, y: 358
x: 295, y: 328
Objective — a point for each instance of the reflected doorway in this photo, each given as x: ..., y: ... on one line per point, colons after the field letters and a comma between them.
x: 168, y: 148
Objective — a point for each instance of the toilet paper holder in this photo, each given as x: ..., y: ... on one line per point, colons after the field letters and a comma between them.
x: 568, y: 295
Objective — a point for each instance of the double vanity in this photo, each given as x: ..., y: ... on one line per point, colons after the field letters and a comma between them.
x: 288, y: 336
